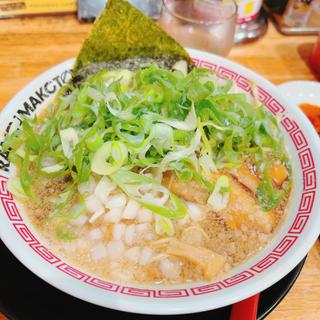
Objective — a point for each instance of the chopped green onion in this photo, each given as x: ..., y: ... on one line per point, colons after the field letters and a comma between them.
x: 124, y: 76
x: 219, y: 198
x: 109, y: 157
x: 152, y: 119
x: 164, y: 226
x: 69, y: 139
x: 181, y: 66
x: 131, y: 182
x: 94, y: 142
x: 189, y: 124
x: 65, y: 235
x: 25, y: 177
x: 269, y: 197
x: 53, y: 169
x: 177, y: 211
x: 22, y: 153
x: 14, y: 186
x: 183, y: 151
x: 77, y: 210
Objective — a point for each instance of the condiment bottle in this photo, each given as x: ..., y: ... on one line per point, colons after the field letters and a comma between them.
x: 248, y: 10
x: 251, y: 23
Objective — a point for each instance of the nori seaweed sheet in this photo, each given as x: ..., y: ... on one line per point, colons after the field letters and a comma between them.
x: 132, y: 64
x: 122, y: 32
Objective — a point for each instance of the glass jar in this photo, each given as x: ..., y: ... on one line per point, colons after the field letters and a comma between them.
x: 207, y: 25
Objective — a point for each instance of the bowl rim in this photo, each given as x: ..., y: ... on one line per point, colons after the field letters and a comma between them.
x: 166, y: 305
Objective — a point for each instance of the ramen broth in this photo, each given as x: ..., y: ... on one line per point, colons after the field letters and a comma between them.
x: 121, y: 243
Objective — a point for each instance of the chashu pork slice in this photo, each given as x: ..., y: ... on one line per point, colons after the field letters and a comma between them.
x: 191, y: 191
x: 242, y: 210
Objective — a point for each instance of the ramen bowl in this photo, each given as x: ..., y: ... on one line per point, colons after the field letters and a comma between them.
x: 290, y: 244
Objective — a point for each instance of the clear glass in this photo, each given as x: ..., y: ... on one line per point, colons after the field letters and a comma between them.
x: 207, y: 25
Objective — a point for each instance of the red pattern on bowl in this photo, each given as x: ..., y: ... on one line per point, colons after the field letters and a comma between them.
x: 306, y: 205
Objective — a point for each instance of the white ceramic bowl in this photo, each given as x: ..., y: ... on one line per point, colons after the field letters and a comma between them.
x: 291, y: 243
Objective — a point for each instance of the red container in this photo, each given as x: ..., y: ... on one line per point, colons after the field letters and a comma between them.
x: 315, y: 59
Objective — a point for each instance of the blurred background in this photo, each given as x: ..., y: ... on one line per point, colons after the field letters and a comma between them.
x: 210, y: 25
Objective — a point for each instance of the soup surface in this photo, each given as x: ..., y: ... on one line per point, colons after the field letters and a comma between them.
x: 153, y: 175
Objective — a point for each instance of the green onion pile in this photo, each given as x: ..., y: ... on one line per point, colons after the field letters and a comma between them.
x: 126, y: 125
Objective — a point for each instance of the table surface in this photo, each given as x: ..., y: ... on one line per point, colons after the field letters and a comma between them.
x: 29, y: 46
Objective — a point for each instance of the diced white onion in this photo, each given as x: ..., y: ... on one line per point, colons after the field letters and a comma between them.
x: 98, y: 252
x: 116, y: 201
x: 118, y: 231
x: 145, y: 215
x: 146, y: 256
x: 95, y: 234
x: 133, y: 254
x: 96, y: 215
x: 169, y: 269
x: 144, y: 231
x: 131, y: 210
x: 115, y: 249
x: 103, y: 189
x: 149, y: 236
x: 130, y: 235
x: 195, y: 212
x: 141, y: 228
x: 93, y: 204
x: 114, y: 215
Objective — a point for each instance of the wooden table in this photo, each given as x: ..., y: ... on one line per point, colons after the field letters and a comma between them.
x: 29, y: 46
